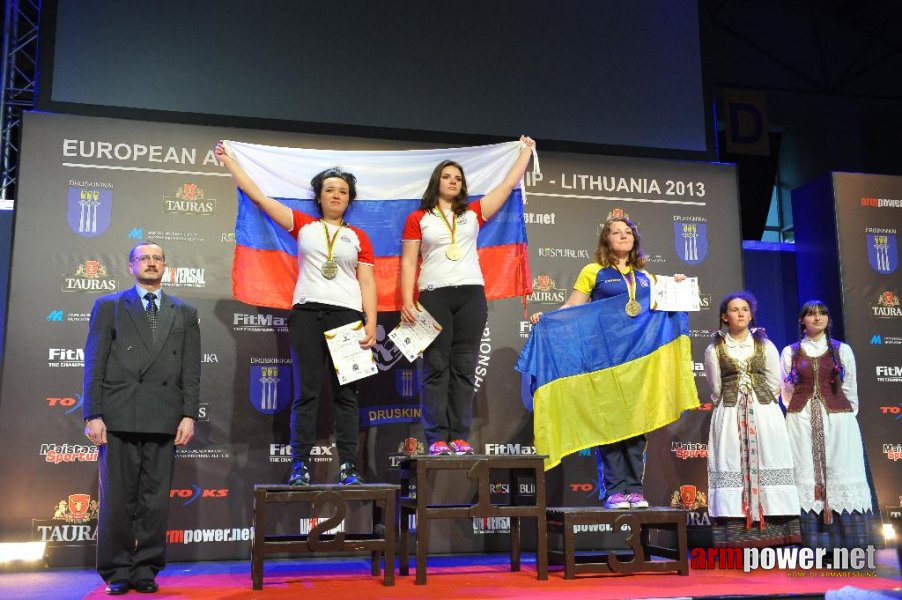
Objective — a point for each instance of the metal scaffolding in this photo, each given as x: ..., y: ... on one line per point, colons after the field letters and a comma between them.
x: 21, y: 22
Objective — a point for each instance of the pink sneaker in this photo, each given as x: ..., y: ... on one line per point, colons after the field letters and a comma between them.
x: 619, y: 501
x: 637, y: 501
x: 439, y: 448
x: 462, y: 447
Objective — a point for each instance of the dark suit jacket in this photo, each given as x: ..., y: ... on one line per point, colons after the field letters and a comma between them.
x: 136, y: 381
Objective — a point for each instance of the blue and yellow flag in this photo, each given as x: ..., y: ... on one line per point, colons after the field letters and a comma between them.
x: 600, y: 376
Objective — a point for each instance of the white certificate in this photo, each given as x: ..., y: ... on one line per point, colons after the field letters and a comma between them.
x: 351, y: 361
x: 411, y: 339
x: 671, y: 295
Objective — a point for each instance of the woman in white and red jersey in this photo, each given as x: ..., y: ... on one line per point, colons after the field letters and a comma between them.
x: 336, y: 285
x: 441, y: 234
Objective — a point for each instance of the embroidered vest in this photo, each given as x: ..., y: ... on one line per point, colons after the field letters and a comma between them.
x: 814, y: 380
x: 731, y: 372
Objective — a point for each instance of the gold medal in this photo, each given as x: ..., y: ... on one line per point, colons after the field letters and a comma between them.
x: 453, y: 251
x: 633, y: 308
x: 329, y: 269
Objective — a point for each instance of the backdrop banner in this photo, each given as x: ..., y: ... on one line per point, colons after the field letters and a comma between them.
x: 854, y: 267
x: 90, y: 188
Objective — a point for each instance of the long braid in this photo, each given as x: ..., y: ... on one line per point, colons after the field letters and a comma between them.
x: 793, y: 375
x: 758, y: 334
x: 839, y: 371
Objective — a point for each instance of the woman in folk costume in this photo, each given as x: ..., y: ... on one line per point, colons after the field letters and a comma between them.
x: 751, y: 492
x: 821, y: 393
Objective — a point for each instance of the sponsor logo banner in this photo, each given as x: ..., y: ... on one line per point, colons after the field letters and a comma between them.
x: 69, y: 453
x: 390, y: 413
x: 889, y: 373
x: 687, y: 450
x: 59, y: 316
x: 496, y: 449
x: 191, y: 277
x: 281, y: 453
x: 489, y: 525
x: 385, y: 352
x: 883, y: 254
x: 689, y: 497
x: 548, y: 252
x: 690, y: 240
x: 70, y: 403
x: 259, y: 323
x: 881, y: 202
x: 196, y: 536
x: 407, y: 382
x: 65, y: 357
x: 90, y: 277
x: 212, y: 452
x: 138, y: 233
x: 306, y: 525
x: 89, y: 210
x: 270, y: 386
x: 74, y: 522
x: 545, y: 291
x: 195, y: 492
x: 796, y: 561
x: 535, y: 218
x: 886, y: 306
x: 189, y: 199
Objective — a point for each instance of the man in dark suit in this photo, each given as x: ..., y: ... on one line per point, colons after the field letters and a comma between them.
x: 141, y: 395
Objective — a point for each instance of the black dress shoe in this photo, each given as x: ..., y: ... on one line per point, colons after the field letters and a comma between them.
x: 146, y: 586
x: 117, y: 587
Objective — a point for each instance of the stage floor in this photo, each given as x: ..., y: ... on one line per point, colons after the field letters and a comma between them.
x: 469, y: 577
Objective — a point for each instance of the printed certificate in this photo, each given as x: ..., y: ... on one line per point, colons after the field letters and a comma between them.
x: 351, y: 361
x: 412, y: 339
x: 669, y: 294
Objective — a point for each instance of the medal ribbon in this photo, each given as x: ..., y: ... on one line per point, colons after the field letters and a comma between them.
x: 629, y: 278
x: 452, y: 226
x: 330, y: 243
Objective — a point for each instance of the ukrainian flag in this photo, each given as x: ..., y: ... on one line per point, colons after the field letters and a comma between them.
x: 600, y: 376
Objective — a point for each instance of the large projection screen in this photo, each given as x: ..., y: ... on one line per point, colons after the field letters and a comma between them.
x: 617, y: 77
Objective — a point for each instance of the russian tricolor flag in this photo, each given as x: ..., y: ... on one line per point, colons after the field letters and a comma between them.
x: 389, y: 187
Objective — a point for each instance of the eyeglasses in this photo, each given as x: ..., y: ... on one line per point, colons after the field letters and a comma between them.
x: 146, y: 258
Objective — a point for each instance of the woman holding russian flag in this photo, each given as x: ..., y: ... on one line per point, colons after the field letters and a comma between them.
x: 336, y: 285
x: 441, y: 236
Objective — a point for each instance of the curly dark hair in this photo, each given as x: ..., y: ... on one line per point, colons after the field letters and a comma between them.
x: 319, y: 178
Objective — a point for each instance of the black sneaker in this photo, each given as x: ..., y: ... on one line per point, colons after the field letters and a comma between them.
x: 348, y: 474
x: 300, y: 474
